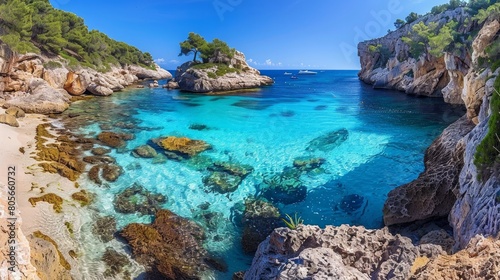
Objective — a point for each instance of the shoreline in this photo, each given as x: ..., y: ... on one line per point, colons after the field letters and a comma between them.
x: 38, y: 220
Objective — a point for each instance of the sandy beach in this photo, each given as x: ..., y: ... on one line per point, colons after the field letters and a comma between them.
x: 30, y: 181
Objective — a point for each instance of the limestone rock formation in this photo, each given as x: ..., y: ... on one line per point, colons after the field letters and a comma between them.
x: 209, y: 80
x: 75, y: 84
x: 21, y: 76
x: 344, y: 252
x: 40, y: 98
x: 479, y: 260
x: 436, y: 187
x: 425, y: 75
x: 16, y: 112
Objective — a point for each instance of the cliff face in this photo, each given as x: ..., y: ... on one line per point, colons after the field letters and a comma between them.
x: 211, y: 78
x: 426, y: 75
x: 38, y: 84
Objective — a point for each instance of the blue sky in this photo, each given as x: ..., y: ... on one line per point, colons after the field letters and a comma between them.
x: 273, y: 34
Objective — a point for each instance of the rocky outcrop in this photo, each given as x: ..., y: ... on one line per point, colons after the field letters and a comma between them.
x: 436, y: 187
x: 344, y: 252
x: 21, y: 79
x: 475, y: 81
x: 211, y: 80
x: 479, y: 260
x: 40, y: 98
x: 391, y: 67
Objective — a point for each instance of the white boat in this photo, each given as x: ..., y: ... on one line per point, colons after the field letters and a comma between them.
x: 307, y: 72
x: 288, y: 73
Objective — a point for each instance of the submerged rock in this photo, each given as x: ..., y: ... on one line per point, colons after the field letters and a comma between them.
x: 116, y: 263
x: 138, y: 199
x: 144, y: 151
x: 236, y: 169
x: 286, y: 187
x: 329, y: 141
x: 222, y: 182
x: 169, y: 248
x: 260, y: 218
x: 113, y: 139
x: 352, y: 203
x: 308, y: 164
x: 182, y: 146
x: 104, y: 228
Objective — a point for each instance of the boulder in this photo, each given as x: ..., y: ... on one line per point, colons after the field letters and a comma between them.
x: 41, y: 99
x: 143, y: 73
x: 172, y: 85
x: 99, y: 90
x: 74, y: 84
x: 9, y: 120
x: 16, y: 112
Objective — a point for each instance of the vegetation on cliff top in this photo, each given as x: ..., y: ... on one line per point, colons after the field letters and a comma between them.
x: 35, y: 26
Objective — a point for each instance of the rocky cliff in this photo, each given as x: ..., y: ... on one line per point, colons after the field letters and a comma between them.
x: 395, y: 68
x: 220, y: 74
x: 38, y: 84
x: 451, y: 186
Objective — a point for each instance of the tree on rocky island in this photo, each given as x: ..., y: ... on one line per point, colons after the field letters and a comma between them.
x: 197, y: 44
x: 194, y: 44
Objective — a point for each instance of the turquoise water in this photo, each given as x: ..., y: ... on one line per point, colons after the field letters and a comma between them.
x: 267, y: 129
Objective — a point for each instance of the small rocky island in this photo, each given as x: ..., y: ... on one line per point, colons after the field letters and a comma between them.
x: 222, y: 69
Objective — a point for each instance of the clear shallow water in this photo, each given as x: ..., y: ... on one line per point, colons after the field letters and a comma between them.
x: 268, y: 129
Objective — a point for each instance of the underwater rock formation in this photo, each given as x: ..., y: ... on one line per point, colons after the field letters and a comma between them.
x: 260, y: 218
x: 137, y: 199
x: 329, y: 141
x: 285, y: 187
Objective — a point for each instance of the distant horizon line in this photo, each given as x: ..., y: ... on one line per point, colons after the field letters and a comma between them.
x: 297, y: 69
